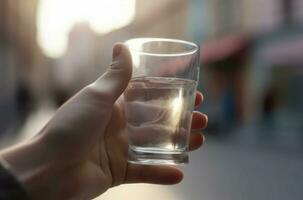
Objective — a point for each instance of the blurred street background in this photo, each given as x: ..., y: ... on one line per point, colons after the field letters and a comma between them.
x: 251, y: 78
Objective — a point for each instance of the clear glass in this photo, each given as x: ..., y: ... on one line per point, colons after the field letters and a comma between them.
x: 159, y: 99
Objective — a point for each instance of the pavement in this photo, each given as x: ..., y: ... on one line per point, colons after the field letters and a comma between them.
x: 229, y: 170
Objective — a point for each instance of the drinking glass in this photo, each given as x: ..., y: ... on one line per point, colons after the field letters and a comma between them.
x: 159, y: 99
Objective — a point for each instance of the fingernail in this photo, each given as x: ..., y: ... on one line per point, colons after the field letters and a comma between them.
x: 203, y: 138
x: 116, y: 51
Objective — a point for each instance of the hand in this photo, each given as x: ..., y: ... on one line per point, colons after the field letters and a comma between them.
x: 82, y: 151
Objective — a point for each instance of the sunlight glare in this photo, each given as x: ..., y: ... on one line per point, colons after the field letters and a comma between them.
x: 55, y: 19
x: 177, y: 107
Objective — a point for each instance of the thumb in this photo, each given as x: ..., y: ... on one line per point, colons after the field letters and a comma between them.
x: 114, y: 81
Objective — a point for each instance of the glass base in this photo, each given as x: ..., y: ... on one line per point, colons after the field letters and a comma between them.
x: 154, y: 158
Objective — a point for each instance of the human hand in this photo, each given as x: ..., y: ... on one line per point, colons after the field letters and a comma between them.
x: 82, y: 151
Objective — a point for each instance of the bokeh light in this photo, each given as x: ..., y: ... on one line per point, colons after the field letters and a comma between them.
x: 55, y: 18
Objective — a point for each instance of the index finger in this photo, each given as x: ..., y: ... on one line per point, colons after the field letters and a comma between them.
x: 199, y: 98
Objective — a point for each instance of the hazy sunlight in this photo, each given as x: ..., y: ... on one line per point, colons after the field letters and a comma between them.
x: 56, y: 18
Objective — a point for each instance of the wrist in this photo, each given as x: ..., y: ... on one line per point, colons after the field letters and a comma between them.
x: 29, y: 162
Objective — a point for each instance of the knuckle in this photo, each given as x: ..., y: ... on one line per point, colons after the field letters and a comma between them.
x: 97, y: 93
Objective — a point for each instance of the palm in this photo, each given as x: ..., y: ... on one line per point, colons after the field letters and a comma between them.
x: 111, y: 163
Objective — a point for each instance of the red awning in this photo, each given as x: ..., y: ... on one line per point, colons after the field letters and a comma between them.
x: 223, y: 48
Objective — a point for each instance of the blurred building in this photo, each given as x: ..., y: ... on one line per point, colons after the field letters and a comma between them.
x: 271, y: 29
x: 22, y: 72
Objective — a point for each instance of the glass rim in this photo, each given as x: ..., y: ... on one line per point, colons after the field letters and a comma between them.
x: 142, y: 40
